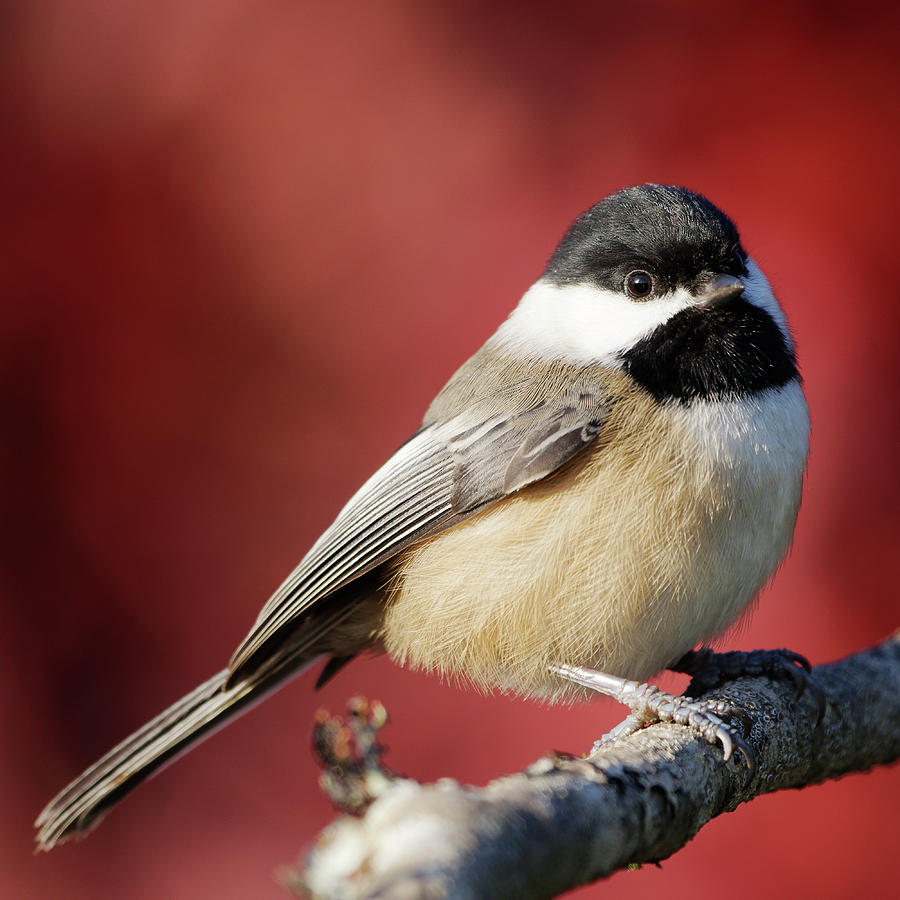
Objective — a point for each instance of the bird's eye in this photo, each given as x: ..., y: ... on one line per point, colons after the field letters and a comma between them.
x: 638, y: 285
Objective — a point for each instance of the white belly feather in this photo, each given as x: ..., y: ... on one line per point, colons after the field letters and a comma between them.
x: 621, y: 562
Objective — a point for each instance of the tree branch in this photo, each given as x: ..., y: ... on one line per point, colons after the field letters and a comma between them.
x: 565, y: 822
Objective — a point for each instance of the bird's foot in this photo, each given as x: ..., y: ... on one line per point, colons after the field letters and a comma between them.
x: 709, y: 670
x: 650, y: 705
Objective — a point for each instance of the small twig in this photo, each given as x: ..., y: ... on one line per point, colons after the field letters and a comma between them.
x: 353, y: 774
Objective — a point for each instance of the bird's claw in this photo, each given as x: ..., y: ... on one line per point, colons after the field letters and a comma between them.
x: 650, y: 705
x: 709, y: 670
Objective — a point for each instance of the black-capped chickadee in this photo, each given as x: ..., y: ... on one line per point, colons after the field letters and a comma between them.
x: 607, y: 483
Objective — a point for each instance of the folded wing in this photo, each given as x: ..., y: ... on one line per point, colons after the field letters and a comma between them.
x: 446, y: 472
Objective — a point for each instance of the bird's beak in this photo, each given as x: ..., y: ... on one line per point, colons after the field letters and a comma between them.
x: 721, y: 289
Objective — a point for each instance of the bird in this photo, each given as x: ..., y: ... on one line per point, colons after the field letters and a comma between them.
x: 599, y: 493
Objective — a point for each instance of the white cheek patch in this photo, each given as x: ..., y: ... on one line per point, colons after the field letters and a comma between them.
x: 759, y: 293
x: 584, y: 324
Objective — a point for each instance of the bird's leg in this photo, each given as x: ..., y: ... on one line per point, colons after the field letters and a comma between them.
x: 709, y: 670
x: 649, y: 705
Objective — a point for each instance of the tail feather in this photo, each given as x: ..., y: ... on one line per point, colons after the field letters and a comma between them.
x: 82, y: 804
x: 121, y: 753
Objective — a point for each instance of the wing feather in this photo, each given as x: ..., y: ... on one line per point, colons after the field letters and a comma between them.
x: 510, y: 438
x: 410, y: 495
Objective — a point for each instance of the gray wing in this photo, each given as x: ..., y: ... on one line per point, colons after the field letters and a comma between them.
x: 520, y: 431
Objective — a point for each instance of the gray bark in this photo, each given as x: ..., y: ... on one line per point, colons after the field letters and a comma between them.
x: 565, y: 822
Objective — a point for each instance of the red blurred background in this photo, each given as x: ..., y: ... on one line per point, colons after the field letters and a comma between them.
x: 245, y: 243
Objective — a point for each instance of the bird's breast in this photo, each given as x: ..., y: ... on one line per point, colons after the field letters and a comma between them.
x: 654, y: 540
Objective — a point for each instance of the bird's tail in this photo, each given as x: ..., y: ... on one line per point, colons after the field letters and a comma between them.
x: 83, y: 803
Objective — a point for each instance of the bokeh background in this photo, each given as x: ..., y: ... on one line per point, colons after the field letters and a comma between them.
x: 244, y: 243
